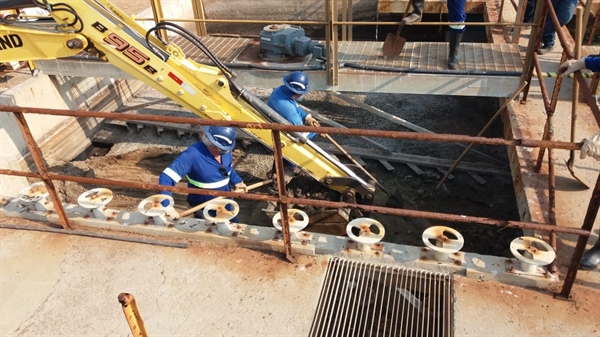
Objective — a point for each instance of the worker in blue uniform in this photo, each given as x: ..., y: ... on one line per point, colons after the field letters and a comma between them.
x: 564, y: 12
x: 284, y: 99
x: 456, y: 13
x: 590, y: 147
x: 207, y: 164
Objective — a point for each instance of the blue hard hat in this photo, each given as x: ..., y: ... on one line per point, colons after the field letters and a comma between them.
x: 222, y: 137
x: 297, y: 82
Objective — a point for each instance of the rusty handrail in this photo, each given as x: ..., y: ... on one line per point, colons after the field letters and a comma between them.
x: 446, y: 138
x: 583, y: 233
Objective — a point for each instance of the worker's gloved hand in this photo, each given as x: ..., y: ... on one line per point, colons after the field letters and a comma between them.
x: 591, y: 147
x: 571, y: 66
x: 310, y: 120
x: 241, y: 187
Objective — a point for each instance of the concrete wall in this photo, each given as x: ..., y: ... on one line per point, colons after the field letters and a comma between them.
x: 59, y: 138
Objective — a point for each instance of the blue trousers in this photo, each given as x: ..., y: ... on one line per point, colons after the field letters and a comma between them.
x: 456, y: 13
x: 564, y: 12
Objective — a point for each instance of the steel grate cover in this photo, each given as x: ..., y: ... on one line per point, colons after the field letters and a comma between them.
x: 365, y: 299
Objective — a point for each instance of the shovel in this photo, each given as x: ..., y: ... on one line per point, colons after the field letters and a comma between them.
x: 393, y: 44
x: 571, y: 162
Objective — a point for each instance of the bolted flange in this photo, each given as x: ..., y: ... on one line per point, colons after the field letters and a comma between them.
x: 37, y: 195
x: 369, y: 230
x: 152, y: 207
x: 96, y: 200
x: 531, y: 252
x: 444, y: 245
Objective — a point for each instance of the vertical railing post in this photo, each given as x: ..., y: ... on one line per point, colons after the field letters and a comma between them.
x: 285, y: 226
x: 539, y: 17
x: 157, y: 11
x: 41, y: 167
x: 345, y: 18
x: 334, y: 42
x: 132, y: 315
x: 198, y: 8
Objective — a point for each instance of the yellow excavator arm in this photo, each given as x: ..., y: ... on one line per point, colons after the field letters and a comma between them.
x: 98, y: 27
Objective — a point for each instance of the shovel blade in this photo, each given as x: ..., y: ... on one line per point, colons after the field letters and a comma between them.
x: 570, y: 165
x: 392, y: 46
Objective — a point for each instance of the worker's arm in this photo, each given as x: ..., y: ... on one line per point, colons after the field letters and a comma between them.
x: 591, y: 62
x: 177, y: 170
x: 288, y: 110
x: 591, y: 147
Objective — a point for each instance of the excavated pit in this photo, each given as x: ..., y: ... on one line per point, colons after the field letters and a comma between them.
x: 140, y: 155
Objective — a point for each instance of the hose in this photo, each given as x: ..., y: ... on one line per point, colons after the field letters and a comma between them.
x: 433, y: 71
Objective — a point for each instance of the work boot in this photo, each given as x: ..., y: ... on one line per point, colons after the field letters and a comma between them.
x: 454, y: 39
x: 591, y: 258
x: 416, y: 14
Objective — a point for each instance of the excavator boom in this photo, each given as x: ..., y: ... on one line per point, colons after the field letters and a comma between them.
x: 209, y: 91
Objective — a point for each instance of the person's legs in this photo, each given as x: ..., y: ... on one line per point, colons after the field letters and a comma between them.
x: 456, y: 13
x: 416, y: 14
x: 529, y: 11
x: 591, y: 258
x: 564, y: 12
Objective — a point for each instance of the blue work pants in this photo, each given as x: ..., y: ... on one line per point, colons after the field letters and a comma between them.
x: 456, y: 13
x: 564, y: 12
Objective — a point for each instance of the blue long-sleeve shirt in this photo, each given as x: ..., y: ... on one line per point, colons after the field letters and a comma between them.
x: 592, y: 63
x: 202, y: 171
x: 281, y: 101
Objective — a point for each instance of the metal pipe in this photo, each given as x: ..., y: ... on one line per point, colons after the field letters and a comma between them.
x: 594, y: 26
x: 355, y: 23
x: 485, y: 128
x: 588, y: 223
x: 36, y: 155
x: 552, y: 190
x: 433, y: 71
x: 285, y: 221
x: 553, y: 102
x: 132, y: 315
x: 587, y: 94
x: 318, y: 203
x: 539, y: 17
x: 548, y: 135
x: 547, y: 108
x: 448, y: 138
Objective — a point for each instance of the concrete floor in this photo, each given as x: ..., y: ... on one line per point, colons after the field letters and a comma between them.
x: 59, y: 285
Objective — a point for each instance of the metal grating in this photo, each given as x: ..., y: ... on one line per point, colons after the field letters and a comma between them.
x: 433, y: 55
x: 225, y: 49
x: 365, y: 299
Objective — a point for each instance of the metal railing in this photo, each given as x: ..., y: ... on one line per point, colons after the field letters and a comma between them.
x: 332, y: 27
x: 282, y: 199
x: 543, y: 10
